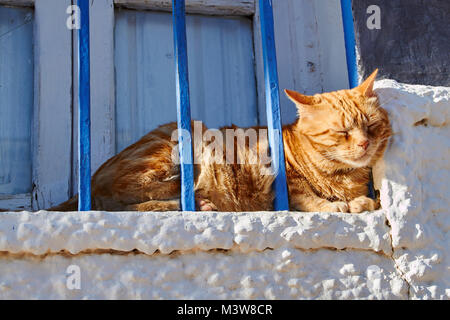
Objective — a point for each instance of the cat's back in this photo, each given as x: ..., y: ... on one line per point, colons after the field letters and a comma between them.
x: 237, y: 175
x: 124, y: 176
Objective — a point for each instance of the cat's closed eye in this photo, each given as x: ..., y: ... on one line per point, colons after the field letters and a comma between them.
x: 373, y: 128
x: 343, y: 133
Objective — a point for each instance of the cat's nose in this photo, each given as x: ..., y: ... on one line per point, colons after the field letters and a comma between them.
x: 364, y: 144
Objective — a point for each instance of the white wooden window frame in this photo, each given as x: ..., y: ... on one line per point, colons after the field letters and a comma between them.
x: 52, y: 109
x: 300, y: 39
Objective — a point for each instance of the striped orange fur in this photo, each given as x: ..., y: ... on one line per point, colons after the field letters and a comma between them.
x: 329, y: 151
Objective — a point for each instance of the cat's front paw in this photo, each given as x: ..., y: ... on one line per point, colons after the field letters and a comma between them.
x: 361, y: 204
x: 205, y: 205
x: 337, y: 206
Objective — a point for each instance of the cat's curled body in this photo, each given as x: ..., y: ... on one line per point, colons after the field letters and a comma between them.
x: 329, y: 151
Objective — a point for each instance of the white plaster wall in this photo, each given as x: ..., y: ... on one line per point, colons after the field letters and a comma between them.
x: 414, y: 179
x: 270, y: 274
x: 398, y: 252
x: 198, y: 255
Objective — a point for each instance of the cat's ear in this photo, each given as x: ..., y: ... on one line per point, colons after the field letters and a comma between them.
x: 366, y: 88
x: 299, y: 98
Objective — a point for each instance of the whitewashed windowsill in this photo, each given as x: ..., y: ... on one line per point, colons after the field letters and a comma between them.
x: 44, y: 232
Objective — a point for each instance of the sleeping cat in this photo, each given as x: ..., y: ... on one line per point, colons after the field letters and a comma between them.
x: 329, y: 151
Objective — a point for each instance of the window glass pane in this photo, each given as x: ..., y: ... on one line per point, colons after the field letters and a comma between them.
x: 221, y: 72
x: 16, y: 99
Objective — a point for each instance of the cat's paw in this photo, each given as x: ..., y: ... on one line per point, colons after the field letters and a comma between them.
x: 337, y: 206
x: 361, y: 204
x: 205, y: 205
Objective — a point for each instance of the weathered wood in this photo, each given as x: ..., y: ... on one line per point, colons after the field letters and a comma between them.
x: 207, y: 7
x: 332, y: 59
x: 221, y: 72
x: 17, y: 3
x: 52, y: 139
x: 310, y: 51
x: 16, y: 202
x: 16, y: 99
x: 102, y: 83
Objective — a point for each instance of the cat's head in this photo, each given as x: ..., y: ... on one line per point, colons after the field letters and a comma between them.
x: 345, y: 126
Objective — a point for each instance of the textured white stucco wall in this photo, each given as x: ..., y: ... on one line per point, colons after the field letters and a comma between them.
x: 398, y: 252
x: 414, y: 179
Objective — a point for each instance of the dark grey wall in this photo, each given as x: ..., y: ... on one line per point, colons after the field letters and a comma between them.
x: 412, y: 45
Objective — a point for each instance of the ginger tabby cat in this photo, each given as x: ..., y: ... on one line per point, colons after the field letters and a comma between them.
x: 329, y: 151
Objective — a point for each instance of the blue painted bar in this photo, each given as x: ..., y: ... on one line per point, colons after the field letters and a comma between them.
x: 350, y: 51
x: 273, y: 105
x: 183, y: 106
x: 84, y: 107
x: 350, y: 44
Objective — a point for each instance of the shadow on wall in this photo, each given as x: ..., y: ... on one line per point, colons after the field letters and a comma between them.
x: 411, y: 44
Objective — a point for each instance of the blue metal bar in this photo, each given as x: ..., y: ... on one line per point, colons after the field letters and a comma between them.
x: 183, y: 106
x: 350, y: 44
x: 350, y: 51
x: 273, y: 105
x: 84, y: 106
